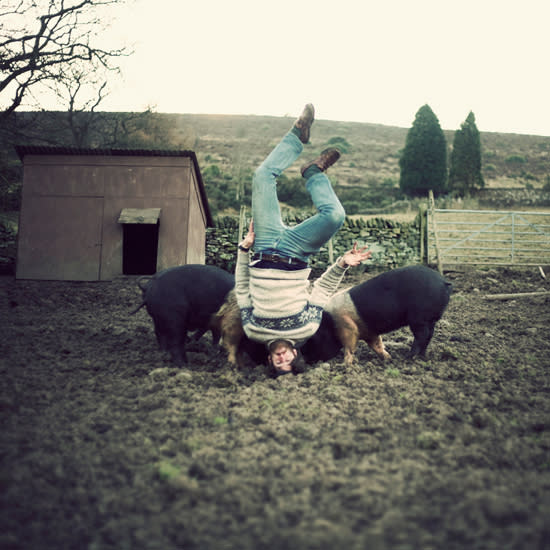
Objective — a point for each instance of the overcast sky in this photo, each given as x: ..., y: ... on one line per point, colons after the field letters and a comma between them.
x: 356, y: 60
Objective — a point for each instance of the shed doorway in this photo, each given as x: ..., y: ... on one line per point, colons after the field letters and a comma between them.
x: 140, y: 237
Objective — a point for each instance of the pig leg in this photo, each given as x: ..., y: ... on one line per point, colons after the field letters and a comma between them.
x: 161, y: 338
x: 174, y: 336
x: 423, y: 333
x: 227, y: 322
x: 170, y: 338
x: 177, y: 349
x: 216, y: 335
x: 198, y: 334
x: 375, y: 342
x: 231, y: 338
x: 232, y: 333
x: 348, y: 334
x: 215, y: 327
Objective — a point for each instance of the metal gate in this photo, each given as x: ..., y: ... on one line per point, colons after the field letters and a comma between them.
x: 489, y: 237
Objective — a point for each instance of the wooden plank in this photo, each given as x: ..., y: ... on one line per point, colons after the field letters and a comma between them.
x: 515, y: 295
x: 139, y: 215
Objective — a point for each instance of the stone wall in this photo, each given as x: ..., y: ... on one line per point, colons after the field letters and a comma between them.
x: 392, y: 244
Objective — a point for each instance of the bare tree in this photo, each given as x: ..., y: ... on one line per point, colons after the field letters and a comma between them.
x: 82, y: 97
x: 47, y: 42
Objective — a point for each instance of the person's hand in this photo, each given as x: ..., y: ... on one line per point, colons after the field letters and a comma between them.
x: 248, y: 240
x: 354, y: 256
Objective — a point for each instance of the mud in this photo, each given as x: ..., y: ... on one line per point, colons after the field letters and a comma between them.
x: 105, y: 445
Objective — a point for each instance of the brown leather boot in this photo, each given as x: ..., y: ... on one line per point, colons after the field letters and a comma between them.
x: 326, y: 159
x: 304, y: 122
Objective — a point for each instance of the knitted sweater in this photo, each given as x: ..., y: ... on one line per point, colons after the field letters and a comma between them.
x: 277, y: 304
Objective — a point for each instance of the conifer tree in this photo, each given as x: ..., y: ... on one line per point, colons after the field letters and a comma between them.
x: 423, y: 162
x: 465, y: 171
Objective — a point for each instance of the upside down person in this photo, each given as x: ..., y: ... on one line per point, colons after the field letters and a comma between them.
x: 272, y: 287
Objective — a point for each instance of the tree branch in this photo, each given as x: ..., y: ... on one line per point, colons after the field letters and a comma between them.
x: 65, y: 37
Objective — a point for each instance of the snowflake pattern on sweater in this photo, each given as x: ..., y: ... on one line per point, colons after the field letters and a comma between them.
x: 310, y: 314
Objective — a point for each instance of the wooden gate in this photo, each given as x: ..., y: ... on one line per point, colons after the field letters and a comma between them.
x: 489, y: 237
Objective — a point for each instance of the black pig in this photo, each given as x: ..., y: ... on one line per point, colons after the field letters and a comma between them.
x: 414, y: 296
x: 182, y: 299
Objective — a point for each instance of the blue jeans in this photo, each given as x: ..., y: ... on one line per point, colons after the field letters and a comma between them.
x: 271, y: 234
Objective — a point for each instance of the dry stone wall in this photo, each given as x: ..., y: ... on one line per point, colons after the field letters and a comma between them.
x: 392, y: 243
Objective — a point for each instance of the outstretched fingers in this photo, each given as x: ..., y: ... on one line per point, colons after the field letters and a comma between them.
x: 355, y: 256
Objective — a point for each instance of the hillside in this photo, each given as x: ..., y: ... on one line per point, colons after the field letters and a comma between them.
x: 229, y: 147
x: 374, y: 150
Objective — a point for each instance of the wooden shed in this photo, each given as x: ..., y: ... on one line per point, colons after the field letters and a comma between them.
x: 94, y: 214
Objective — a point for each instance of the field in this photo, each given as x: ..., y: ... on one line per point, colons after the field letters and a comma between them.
x: 105, y: 445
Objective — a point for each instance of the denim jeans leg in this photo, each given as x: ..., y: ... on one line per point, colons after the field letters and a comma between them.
x: 268, y: 224
x: 308, y: 237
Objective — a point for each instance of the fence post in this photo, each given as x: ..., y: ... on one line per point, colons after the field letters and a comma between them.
x: 513, y: 237
x: 436, y: 241
x: 242, y: 218
x: 423, y: 233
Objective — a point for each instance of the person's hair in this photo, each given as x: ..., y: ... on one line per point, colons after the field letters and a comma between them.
x: 280, y: 342
x: 298, y: 364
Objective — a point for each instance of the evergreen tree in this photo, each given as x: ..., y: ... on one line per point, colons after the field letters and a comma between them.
x: 424, y: 160
x: 465, y: 174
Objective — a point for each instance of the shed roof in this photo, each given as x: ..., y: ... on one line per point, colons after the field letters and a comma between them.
x: 24, y: 150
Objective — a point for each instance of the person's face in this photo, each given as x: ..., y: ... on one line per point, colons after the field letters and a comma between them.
x: 281, y: 357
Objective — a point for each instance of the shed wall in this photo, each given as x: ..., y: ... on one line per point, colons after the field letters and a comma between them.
x: 196, y: 239
x: 60, y: 238
x: 69, y: 217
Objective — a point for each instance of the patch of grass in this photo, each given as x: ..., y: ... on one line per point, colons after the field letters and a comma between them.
x: 516, y: 159
x: 166, y: 470
x: 449, y: 353
x: 429, y: 440
x: 393, y: 373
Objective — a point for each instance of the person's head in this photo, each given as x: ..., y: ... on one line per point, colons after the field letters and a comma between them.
x: 284, y: 357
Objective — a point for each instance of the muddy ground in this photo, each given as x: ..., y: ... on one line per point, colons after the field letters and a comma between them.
x: 106, y: 446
